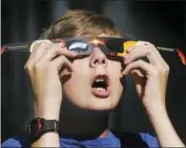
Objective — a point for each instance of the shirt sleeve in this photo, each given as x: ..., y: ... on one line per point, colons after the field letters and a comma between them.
x: 149, y: 139
x: 11, y: 143
x: 19, y: 141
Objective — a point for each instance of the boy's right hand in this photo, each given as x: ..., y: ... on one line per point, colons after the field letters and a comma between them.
x: 43, y: 67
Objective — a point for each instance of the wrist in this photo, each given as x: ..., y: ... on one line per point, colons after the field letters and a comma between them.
x: 157, y: 111
x: 47, y: 112
x: 155, y: 106
x: 40, y: 127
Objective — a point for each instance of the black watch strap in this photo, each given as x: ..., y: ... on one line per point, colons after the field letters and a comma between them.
x: 39, y: 126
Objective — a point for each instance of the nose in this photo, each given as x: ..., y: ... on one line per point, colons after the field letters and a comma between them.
x: 98, y: 58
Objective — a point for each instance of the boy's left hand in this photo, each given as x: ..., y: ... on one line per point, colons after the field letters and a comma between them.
x: 150, y: 78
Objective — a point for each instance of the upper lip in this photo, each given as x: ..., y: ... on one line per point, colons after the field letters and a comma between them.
x: 104, y: 76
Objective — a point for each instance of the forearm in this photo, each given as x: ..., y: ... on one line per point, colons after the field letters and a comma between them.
x: 164, y: 129
x: 50, y: 139
x: 47, y: 140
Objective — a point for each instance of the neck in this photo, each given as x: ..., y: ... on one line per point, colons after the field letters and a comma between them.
x: 83, y: 123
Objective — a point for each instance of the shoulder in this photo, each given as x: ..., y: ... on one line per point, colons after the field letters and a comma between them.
x: 19, y: 141
x: 137, y: 139
x: 149, y: 139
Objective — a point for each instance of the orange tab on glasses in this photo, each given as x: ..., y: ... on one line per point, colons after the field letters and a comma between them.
x: 127, y: 45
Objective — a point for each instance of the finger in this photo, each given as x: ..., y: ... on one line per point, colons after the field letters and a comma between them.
x: 38, y: 42
x: 139, y: 80
x: 129, y: 49
x: 137, y: 72
x: 136, y: 45
x: 53, y: 53
x: 33, y: 46
x: 162, y: 61
x: 37, y: 52
x: 141, y: 51
x: 146, y: 49
x: 142, y: 65
x: 37, y: 45
x: 61, y: 62
x: 61, y: 49
x: 151, y: 52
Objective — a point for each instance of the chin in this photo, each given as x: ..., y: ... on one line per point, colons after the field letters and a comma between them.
x: 89, y: 102
x: 101, y: 104
x: 101, y: 109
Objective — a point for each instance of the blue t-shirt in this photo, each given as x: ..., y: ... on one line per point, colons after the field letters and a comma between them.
x: 128, y: 139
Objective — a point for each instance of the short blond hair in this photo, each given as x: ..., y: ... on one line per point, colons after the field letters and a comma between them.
x: 79, y: 22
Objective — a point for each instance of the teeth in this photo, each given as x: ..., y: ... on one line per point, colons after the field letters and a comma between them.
x: 102, y: 89
x: 100, y: 80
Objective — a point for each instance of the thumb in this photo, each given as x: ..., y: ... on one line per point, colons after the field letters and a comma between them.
x: 137, y: 75
x: 139, y: 80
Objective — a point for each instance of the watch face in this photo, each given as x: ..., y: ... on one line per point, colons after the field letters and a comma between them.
x: 35, y: 127
x: 40, y: 126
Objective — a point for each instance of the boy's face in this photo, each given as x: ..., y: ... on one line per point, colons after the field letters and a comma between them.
x: 95, y: 83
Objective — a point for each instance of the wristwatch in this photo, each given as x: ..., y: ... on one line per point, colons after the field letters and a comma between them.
x: 39, y: 126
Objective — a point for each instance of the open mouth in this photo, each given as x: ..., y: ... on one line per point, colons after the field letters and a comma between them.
x: 100, y: 86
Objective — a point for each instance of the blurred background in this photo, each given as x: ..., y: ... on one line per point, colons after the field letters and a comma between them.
x: 160, y: 22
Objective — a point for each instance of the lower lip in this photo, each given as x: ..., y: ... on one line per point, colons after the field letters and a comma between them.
x: 101, y: 93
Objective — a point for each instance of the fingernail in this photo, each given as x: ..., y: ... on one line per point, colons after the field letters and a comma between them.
x: 126, y: 56
x: 126, y: 61
x: 129, y: 49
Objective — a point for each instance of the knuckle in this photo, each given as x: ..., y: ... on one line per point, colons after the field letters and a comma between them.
x: 156, y: 72
x: 44, y: 45
x: 164, y: 70
x: 167, y: 67
x: 148, y: 52
x: 34, y: 46
x: 39, y: 66
x: 153, y: 49
x: 55, y: 51
x: 38, y: 44
x: 29, y: 69
x: 28, y: 66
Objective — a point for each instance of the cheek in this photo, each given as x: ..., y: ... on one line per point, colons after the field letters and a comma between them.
x: 78, y: 78
x: 115, y: 69
x: 79, y: 68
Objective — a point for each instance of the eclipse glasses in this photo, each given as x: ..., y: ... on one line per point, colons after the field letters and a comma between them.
x: 84, y: 45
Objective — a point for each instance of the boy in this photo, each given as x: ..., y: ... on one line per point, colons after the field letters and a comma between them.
x: 79, y: 90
